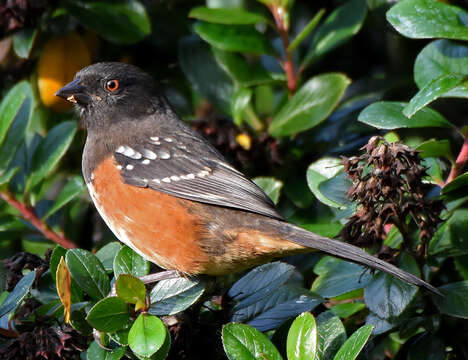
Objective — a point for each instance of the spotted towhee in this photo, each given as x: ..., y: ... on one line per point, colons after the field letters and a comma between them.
x: 169, y: 195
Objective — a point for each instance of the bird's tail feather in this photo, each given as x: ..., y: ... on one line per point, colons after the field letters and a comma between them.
x: 353, y: 253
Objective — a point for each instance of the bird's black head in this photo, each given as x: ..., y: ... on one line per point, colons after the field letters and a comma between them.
x: 110, y: 92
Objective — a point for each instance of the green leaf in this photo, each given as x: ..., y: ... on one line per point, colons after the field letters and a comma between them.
x: 423, y: 19
x: 386, y: 296
x: 172, y: 296
x: 147, y: 335
x: 427, y: 347
x: 306, y: 30
x: 239, y: 102
x: 438, y: 59
x: 241, y: 38
x: 461, y: 264
x: 435, y: 148
x: 353, y: 346
x: 244, y: 342
x: 132, y: 290
x: 96, y: 352
x: 128, y: 261
x: 107, y: 253
x: 161, y: 354
x: 336, y: 189
x: 340, y: 25
x: 302, y: 338
x: 454, y: 302
x: 450, y: 239
x: 345, y: 310
x: 311, y: 105
x: 320, y: 171
x: 271, y: 186
x: 70, y: 191
x: 8, y: 175
x: 109, y: 314
x: 15, y: 298
x: 88, y: 272
x: 243, y: 73
x: 227, y: 16
x: 327, y: 229
x: 339, y: 278
x: 120, y: 22
x: 206, y: 76
x: 57, y: 254
x: 389, y: 115
x: 459, y: 182
x: 50, y: 150
x: 16, y: 111
x: 331, y: 335
x: 23, y: 41
x: 431, y: 92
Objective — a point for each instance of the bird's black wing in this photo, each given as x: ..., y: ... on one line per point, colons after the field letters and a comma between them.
x: 186, y: 166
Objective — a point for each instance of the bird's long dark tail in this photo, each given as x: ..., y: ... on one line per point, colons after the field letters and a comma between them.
x: 353, y: 253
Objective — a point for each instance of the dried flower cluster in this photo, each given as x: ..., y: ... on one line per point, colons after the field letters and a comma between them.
x: 388, y: 190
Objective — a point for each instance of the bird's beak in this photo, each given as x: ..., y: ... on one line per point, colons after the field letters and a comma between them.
x: 74, y: 92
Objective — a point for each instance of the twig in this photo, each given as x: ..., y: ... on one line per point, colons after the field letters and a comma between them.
x: 29, y: 214
x: 287, y: 64
x: 459, y: 163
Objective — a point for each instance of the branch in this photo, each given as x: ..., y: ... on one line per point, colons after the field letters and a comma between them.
x: 287, y: 64
x: 459, y: 163
x: 30, y: 215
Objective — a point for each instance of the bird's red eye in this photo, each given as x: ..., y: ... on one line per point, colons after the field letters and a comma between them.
x: 112, y: 85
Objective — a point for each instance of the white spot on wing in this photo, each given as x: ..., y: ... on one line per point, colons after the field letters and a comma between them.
x: 166, y: 180
x: 175, y: 178
x: 129, y: 167
x: 190, y: 176
x: 119, y: 167
x: 168, y: 140
x: 164, y: 155
x: 120, y: 149
x: 149, y: 154
x: 157, y: 181
x: 203, y: 173
x: 145, y: 162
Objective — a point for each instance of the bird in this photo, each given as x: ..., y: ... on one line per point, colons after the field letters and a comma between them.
x: 168, y: 194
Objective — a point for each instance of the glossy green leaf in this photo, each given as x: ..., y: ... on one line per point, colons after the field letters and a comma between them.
x: 340, y: 278
x: 335, y: 189
x: 320, y: 171
x: 242, y: 342
x: 163, y: 351
x: 128, y: 261
x: 459, y: 182
x: 107, y: 253
x: 147, y: 335
x: 8, y: 175
x: 105, y: 17
x: 109, y: 314
x: 23, y: 41
x: 331, y: 335
x: 454, y: 302
x: 353, y: 346
x: 387, y: 296
x: 15, y: 298
x: 239, y: 102
x: 310, y: 105
x: 327, y: 229
x: 271, y: 186
x: 435, y: 148
x: 96, y: 352
x: 441, y: 58
x: 131, y: 289
x: 431, y: 92
x: 57, y: 254
x: 450, y: 239
x: 340, y: 25
x: 301, y: 343
x: 346, y: 310
x: 70, y: 191
x: 172, y: 296
x: 205, y: 75
x: 243, y: 73
x: 389, y: 115
x: 16, y: 110
x: 227, y: 16
x: 461, y: 264
x: 88, y: 272
x: 50, y: 150
x: 276, y: 307
x: 423, y: 19
x: 242, y: 38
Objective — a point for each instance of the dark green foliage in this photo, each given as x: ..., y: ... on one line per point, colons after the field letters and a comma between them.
x: 291, y: 92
